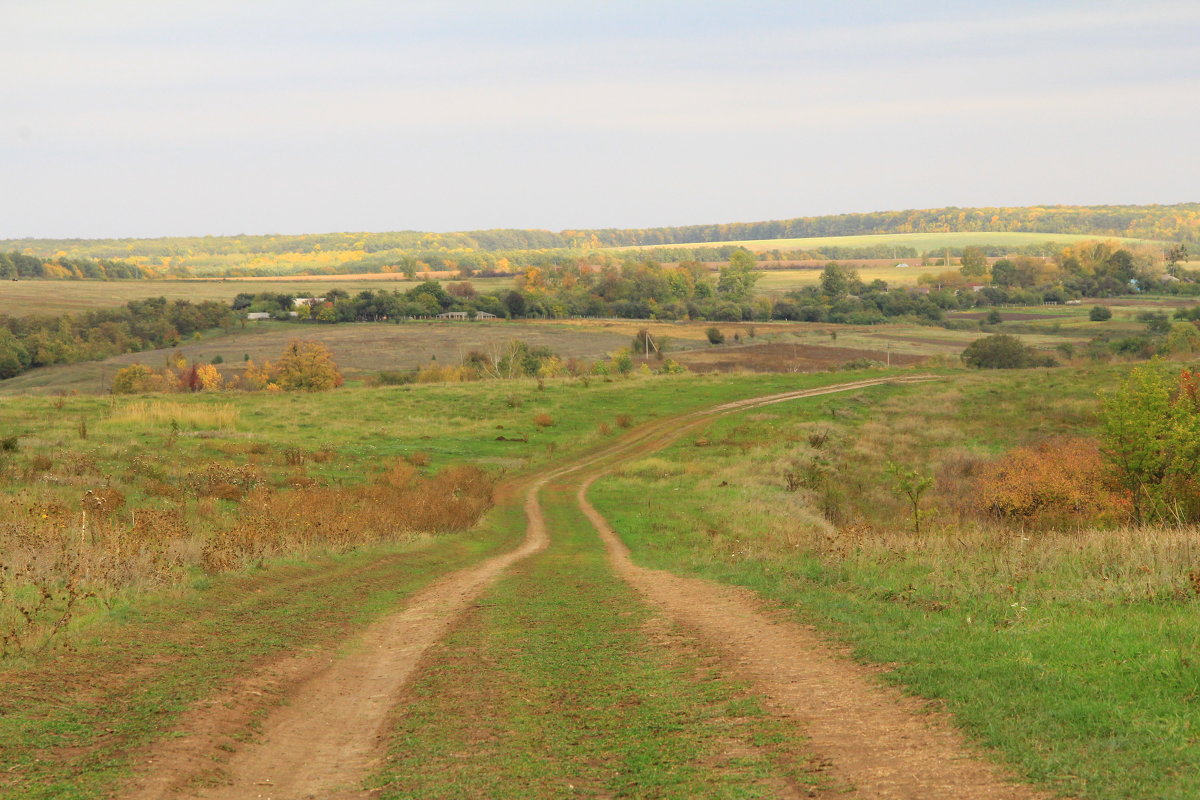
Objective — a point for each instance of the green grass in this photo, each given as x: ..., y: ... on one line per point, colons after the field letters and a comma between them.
x: 70, y: 722
x: 1073, y: 654
x: 921, y: 242
x: 561, y: 683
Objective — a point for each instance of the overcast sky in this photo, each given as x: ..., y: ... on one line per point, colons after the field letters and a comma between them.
x: 173, y: 117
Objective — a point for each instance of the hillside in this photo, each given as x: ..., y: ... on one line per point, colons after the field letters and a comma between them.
x: 503, y: 251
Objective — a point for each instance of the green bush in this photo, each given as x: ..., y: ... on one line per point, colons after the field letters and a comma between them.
x: 1002, y: 351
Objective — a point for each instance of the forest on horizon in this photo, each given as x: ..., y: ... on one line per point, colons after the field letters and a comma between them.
x: 504, y: 250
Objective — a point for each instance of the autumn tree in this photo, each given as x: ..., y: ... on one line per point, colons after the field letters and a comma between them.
x: 1175, y: 255
x: 307, y: 366
x: 135, y: 379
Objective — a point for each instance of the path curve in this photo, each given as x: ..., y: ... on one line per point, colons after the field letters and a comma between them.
x: 329, y: 735
x: 877, y: 739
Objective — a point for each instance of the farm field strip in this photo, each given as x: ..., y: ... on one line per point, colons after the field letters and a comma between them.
x: 918, y: 241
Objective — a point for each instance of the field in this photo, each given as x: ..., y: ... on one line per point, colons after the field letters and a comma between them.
x: 68, y: 297
x: 921, y: 242
x: 363, y: 349
x: 537, y: 664
x: 780, y: 281
x: 360, y: 349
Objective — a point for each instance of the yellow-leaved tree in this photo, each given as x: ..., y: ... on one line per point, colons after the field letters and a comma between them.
x: 307, y: 366
x: 209, y: 377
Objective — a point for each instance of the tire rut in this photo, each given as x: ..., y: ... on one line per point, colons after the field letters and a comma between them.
x: 330, y: 732
x: 879, y: 741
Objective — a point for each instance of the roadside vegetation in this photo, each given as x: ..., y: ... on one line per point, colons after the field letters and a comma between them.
x: 1010, y: 558
x: 110, y: 497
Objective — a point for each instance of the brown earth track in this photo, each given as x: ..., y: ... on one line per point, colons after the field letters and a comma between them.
x: 875, y: 739
x: 325, y: 739
x: 328, y: 735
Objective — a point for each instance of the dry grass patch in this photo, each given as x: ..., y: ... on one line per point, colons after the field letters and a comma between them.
x: 221, y: 416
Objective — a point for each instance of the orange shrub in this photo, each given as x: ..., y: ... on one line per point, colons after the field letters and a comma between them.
x: 1056, y: 482
x: 543, y: 420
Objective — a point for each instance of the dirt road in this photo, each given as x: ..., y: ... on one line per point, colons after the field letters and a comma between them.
x: 325, y: 739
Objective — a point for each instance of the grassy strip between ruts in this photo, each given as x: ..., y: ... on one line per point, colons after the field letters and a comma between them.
x: 70, y: 725
x: 1049, y: 648
x: 562, y: 683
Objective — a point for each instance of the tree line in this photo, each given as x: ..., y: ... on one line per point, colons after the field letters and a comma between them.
x: 41, y: 341
x: 1180, y: 222
x: 509, y: 250
x: 16, y: 265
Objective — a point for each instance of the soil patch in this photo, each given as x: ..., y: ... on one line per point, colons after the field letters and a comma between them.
x: 1005, y: 315
x: 783, y: 357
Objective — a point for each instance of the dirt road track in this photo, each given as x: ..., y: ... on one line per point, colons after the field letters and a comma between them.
x: 876, y: 739
x: 324, y: 741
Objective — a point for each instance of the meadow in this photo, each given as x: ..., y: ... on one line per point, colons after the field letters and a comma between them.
x: 1069, y: 648
x: 921, y: 242
x: 150, y: 521
x: 1065, y: 649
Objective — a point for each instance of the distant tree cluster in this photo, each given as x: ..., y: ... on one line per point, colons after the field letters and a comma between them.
x: 841, y: 297
x: 40, y: 341
x: 304, y: 366
x: 20, y: 265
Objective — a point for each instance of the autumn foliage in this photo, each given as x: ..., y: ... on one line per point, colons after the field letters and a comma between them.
x: 1057, y: 482
x: 303, y: 366
x: 399, y: 502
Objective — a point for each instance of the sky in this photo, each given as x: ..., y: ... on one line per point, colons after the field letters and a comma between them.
x: 124, y: 118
